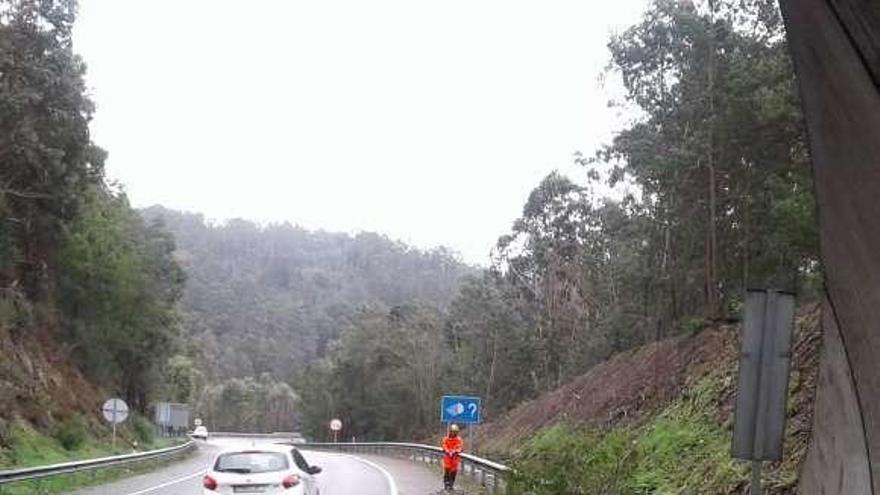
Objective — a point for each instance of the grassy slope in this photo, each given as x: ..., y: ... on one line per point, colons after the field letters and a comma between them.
x: 29, y: 447
x: 41, y: 393
x: 613, y: 431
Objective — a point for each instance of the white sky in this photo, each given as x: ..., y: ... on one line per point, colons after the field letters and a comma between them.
x: 427, y: 121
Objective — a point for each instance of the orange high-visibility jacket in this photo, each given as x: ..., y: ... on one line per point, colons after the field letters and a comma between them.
x: 452, y: 446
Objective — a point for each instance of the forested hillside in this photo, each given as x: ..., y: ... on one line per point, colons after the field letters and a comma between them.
x: 719, y: 199
x: 86, y: 285
x: 705, y: 192
x: 262, y: 302
x: 270, y: 299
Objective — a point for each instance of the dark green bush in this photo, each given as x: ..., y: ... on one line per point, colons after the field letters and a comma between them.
x: 143, y: 430
x: 71, y: 433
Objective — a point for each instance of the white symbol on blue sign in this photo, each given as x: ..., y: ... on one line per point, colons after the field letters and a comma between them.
x: 460, y: 409
x: 455, y: 409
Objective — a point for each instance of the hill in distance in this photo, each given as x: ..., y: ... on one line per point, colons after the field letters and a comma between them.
x: 269, y: 299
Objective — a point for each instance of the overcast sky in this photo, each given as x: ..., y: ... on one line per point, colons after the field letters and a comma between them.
x: 429, y: 121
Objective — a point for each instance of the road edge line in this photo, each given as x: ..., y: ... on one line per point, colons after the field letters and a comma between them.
x: 392, y: 485
x: 168, y: 483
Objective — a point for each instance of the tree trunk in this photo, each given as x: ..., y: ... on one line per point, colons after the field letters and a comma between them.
x: 492, y: 365
x: 712, y: 299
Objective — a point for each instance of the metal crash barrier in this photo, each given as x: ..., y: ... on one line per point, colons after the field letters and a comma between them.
x: 488, y: 474
x: 40, y: 472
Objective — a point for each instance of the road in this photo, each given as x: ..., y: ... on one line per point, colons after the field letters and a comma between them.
x: 342, y: 475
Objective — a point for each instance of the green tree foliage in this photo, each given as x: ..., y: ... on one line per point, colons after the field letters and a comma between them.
x: 47, y: 161
x: 382, y: 378
x: 374, y: 331
x: 183, y: 379
x: 576, y: 264
x: 249, y: 405
x: 720, y: 155
x: 271, y: 299
x: 119, y: 289
x: 491, y: 349
x: 719, y: 200
x: 75, y: 258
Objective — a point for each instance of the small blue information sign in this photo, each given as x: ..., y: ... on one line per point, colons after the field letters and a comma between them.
x: 460, y: 409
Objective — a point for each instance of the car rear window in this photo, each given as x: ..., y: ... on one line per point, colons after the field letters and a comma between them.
x: 251, y: 462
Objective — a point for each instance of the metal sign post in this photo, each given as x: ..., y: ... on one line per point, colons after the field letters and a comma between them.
x: 335, y: 426
x: 762, y: 386
x: 115, y: 411
x: 756, y: 488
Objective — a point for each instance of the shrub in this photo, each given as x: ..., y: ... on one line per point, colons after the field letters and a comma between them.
x: 143, y: 430
x: 15, y: 310
x: 691, y: 325
x: 683, y: 449
x: 71, y: 433
x: 574, y: 460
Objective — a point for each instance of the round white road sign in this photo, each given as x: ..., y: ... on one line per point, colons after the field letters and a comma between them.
x: 336, y: 424
x: 115, y: 410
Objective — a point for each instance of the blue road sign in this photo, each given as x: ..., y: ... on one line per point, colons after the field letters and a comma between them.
x: 460, y: 409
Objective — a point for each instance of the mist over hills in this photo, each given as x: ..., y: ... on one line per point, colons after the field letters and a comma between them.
x: 268, y: 299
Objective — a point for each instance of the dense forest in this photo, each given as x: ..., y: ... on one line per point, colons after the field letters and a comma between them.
x: 277, y: 327
x: 262, y: 302
x: 78, y: 265
x: 719, y: 200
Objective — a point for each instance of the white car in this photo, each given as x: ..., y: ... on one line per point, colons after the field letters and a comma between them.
x: 200, y: 432
x: 270, y: 469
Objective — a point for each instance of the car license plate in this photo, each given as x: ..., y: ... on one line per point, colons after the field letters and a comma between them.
x: 249, y: 488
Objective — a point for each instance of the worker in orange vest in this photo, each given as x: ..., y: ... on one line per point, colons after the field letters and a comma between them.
x: 452, y: 448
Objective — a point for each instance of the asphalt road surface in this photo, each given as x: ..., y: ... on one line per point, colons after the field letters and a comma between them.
x: 342, y: 474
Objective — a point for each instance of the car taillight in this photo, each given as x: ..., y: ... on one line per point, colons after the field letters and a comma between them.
x: 290, y: 482
x: 209, y: 483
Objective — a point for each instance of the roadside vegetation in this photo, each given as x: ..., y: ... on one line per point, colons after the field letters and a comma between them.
x: 613, y: 430
x: 88, y: 289
x: 681, y: 450
x: 706, y: 191
x: 72, y: 440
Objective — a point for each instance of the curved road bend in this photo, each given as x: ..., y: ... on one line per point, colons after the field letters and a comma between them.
x: 342, y: 475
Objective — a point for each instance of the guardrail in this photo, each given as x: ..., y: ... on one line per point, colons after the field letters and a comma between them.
x: 40, y: 472
x: 230, y: 434
x: 488, y: 474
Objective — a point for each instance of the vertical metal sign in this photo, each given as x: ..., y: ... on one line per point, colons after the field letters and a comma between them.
x: 115, y: 411
x: 335, y: 426
x: 762, y: 386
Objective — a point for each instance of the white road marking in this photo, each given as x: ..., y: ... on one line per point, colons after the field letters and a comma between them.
x: 392, y: 486
x: 172, y: 482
